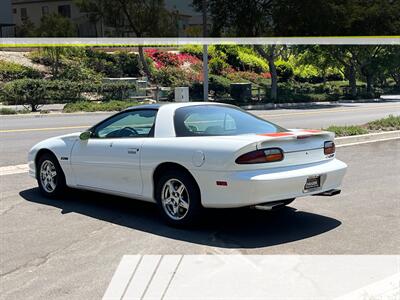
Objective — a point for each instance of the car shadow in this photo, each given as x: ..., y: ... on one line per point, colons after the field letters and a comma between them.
x: 225, y: 228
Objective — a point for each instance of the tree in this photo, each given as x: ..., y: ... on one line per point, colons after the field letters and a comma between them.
x: 271, y: 54
x: 303, y: 18
x: 55, y: 25
x: 245, y: 18
x: 141, y: 18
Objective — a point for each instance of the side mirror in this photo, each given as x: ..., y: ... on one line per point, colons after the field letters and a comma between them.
x: 84, y: 136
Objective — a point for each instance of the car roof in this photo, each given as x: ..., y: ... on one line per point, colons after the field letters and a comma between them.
x: 176, y: 104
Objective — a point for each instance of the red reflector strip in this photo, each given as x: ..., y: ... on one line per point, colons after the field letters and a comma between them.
x: 312, y: 131
x: 301, y: 137
x: 222, y: 183
x: 276, y: 134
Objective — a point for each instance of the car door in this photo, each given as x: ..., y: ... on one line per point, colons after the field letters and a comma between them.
x: 109, y: 160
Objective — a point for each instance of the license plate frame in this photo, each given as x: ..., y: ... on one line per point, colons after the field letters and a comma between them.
x: 312, y: 183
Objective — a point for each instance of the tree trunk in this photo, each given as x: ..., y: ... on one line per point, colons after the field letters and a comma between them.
x: 369, y: 84
x: 274, y: 79
x: 353, y: 81
x: 270, y: 57
x: 396, y: 78
x: 143, y: 62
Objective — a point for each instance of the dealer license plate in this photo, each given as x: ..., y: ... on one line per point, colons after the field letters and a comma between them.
x: 312, y: 182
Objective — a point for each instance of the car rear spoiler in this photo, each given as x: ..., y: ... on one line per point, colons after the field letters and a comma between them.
x: 295, y: 134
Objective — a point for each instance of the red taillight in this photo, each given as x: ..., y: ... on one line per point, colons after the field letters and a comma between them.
x: 261, y: 156
x: 329, y: 148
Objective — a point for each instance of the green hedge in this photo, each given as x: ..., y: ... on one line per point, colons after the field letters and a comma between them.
x: 36, y: 92
x: 11, y: 71
x: 90, y: 106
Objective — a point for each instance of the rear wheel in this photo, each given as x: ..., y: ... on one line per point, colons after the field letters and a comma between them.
x: 51, y: 179
x: 178, y: 198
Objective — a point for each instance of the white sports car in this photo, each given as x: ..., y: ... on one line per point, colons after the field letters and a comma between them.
x: 186, y: 156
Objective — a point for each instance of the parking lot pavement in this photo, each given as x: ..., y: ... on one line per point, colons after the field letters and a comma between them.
x: 70, y: 247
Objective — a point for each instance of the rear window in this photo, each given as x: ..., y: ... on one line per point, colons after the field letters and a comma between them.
x: 215, y: 120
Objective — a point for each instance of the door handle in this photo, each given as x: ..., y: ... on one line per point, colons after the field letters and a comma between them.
x: 133, y: 150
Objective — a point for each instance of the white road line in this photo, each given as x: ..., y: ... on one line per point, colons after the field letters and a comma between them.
x: 142, y: 277
x: 367, y: 142
x: 122, y: 277
x: 11, y: 170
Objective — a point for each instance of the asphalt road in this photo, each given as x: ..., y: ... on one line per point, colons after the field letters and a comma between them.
x: 69, y: 247
x: 19, y: 133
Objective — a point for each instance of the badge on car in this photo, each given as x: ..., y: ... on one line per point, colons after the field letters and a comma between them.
x: 312, y: 182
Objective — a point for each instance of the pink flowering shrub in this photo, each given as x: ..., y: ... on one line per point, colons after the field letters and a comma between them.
x: 164, y: 59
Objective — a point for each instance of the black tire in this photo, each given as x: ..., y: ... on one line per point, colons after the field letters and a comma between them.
x: 194, y: 204
x: 59, y: 178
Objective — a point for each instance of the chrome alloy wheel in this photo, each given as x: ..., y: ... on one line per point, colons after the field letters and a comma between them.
x: 175, y: 199
x: 48, y: 176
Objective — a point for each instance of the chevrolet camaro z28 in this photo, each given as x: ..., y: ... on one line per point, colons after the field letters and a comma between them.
x: 187, y: 156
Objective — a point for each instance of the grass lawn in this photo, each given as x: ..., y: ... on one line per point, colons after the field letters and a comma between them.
x: 386, y: 124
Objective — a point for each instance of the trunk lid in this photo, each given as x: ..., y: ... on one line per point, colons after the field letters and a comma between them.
x: 299, y: 147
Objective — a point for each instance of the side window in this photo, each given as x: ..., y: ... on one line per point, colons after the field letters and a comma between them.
x: 130, y: 124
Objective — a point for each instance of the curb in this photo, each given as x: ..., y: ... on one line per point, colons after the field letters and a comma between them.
x: 367, y: 138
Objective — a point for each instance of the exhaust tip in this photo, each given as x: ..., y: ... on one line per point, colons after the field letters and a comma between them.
x: 329, y: 193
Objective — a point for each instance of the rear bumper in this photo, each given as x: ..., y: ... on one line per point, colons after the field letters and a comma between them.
x: 247, y: 188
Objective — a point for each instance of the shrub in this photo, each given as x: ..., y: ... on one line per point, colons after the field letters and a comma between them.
x: 128, y: 62
x: 217, y: 66
x: 220, y: 85
x: 36, y: 92
x: 252, y: 62
x: 284, y: 70
x: 26, y: 92
x: 10, y: 71
x: 175, y: 77
x: 242, y: 58
x: 119, y: 64
x: 74, y: 70
x: 162, y: 59
x: 89, y: 106
x: 10, y: 111
x: 197, y: 51
x: 102, y: 62
x: 7, y: 111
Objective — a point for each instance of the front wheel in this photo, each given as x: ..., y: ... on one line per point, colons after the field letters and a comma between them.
x: 178, y: 198
x: 51, y: 179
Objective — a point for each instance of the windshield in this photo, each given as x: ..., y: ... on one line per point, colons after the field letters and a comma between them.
x: 215, y: 120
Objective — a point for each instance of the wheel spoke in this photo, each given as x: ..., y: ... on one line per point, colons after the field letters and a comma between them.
x: 180, y: 189
x: 183, y: 204
x: 171, y: 187
x: 168, y: 201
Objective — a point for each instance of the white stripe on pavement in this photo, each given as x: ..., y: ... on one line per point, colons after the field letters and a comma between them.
x: 257, y: 277
x: 143, y: 277
x: 122, y: 277
x: 11, y: 170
